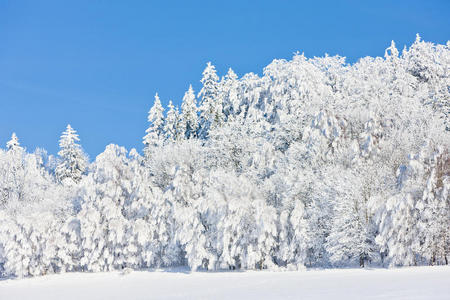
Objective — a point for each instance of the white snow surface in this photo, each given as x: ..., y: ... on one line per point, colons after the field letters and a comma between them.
x: 403, y: 283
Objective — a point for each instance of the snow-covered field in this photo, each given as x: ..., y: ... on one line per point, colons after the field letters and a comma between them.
x: 405, y: 283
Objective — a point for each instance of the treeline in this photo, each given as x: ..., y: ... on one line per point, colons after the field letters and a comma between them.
x: 317, y: 163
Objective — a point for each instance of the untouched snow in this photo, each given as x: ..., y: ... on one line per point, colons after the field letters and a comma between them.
x: 405, y: 283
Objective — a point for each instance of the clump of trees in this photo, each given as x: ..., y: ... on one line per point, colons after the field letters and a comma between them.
x: 316, y: 163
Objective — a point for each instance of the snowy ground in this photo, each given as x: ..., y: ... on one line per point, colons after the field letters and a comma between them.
x: 406, y: 283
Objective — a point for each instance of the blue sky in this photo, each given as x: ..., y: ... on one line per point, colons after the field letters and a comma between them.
x: 98, y: 64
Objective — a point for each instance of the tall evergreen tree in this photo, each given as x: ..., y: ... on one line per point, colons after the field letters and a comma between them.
x: 211, y: 108
x: 171, y: 124
x: 229, y: 93
x: 189, y: 119
x: 13, y: 173
x: 155, y: 132
x: 72, y: 159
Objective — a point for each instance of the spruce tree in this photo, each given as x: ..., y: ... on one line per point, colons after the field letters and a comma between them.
x: 155, y: 132
x: 171, y: 124
x: 210, y: 105
x: 189, y: 119
x: 72, y: 159
x: 229, y: 93
x: 13, y: 144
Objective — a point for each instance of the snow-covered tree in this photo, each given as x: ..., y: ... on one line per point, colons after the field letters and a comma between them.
x: 434, y: 209
x: 171, y: 125
x: 211, y: 106
x: 72, y: 160
x: 435, y: 244
x: 155, y: 132
x: 399, y: 232
x: 13, y: 144
x: 191, y: 215
x: 189, y: 120
x: 229, y: 89
x: 352, y: 236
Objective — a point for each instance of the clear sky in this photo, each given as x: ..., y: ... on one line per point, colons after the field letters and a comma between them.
x: 97, y: 64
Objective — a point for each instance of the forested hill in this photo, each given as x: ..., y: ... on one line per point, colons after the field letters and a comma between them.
x: 316, y: 163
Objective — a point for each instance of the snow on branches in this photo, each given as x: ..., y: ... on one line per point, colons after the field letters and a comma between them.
x: 315, y: 163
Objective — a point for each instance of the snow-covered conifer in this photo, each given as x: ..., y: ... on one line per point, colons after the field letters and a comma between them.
x: 229, y: 86
x: 13, y: 144
x: 171, y: 125
x: 155, y: 132
x: 72, y: 160
x: 189, y: 120
x: 211, y: 106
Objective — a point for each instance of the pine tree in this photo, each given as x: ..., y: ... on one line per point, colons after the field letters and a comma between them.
x: 13, y: 144
x: 72, y: 160
x: 171, y: 124
x: 189, y: 119
x: 155, y: 132
x: 229, y: 93
x: 211, y: 108
x: 13, y: 172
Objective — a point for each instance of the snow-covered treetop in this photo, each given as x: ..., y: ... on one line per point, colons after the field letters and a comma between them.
x: 171, y: 124
x: 391, y: 51
x: 211, y: 102
x: 209, y: 91
x: 155, y: 114
x: 13, y: 144
x: 69, y: 137
x: 72, y: 159
x: 209, y: 78
x: 155, y: 132
x: 189, y: 118
x: 231, y: 75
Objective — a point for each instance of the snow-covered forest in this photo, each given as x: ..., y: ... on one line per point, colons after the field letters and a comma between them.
x: 316, y: 163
